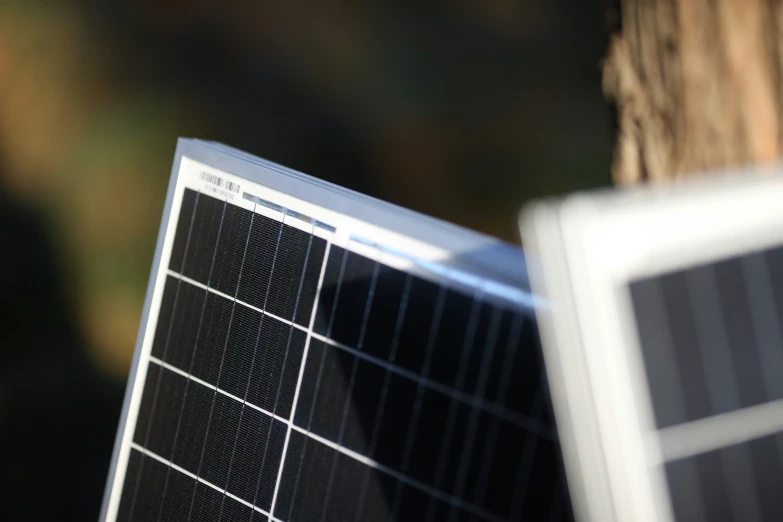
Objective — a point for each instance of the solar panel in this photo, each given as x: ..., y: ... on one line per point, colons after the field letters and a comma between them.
x: 308, y: 353
x: 665, y: 347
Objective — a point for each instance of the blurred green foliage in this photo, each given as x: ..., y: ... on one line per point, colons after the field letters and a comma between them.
x: 461, y: 109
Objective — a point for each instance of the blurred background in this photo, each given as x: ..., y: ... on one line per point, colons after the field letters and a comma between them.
x: 462, y: 109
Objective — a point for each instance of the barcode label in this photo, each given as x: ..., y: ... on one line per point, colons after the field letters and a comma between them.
x: 220, y: 182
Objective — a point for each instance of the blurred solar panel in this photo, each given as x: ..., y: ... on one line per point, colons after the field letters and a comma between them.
x: 666, y: 347
x: 308, y: 353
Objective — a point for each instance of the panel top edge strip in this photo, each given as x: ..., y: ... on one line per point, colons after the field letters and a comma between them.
x: 445, y: 251
x: 469, y: 250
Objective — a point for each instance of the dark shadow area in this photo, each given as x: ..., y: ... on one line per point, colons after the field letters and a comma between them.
x: 58, y: 413
x: 465, y: 408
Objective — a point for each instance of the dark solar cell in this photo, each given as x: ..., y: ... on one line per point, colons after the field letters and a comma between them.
x: 327, y: 393
x: 192, y: 433
x: 151, y: 383
x: 765, y: 453
x: 429, y: 431
x: 218, y: 445
x: 699, y: 488
x: 302, y: 493
x: 672, y: 405
x: 184, y: 328
x: 275, y: 368
x: 184, y: 222
x: 711, y: 342
x: 145, y: 478
x: 212, y: 334
x: 702, y: 348
x: 396, y: 419
x: 418, y: 324
x: 476, y: 362
x: 333, y: 273
x: 293, y: 251
x: 309, y: 282
x: 259, y: 260
x: 364, y: 408
x: 241, y: 347
x: 231, y: 249
x: 352, y: 300
x: 129, y: 488
x: 165, y: 317
x: 735, y: 311
x: 509, y: 330
x: 232, y: 511
x: 413, y: 399
x: 524, y: 377
x: 389, y: 306
x: 308, y: 387
x: 210, y: 505
x: 178, y: 496
x: 258, y: 446
x: 168, y: 394
x: 460, y: 315
x: 204, y: 234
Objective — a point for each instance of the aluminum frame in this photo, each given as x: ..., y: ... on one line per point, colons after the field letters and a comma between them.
x: 587, y: 249
x: 469, y: 252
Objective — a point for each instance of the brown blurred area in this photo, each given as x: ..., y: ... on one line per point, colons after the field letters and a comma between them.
x: 461, y: 109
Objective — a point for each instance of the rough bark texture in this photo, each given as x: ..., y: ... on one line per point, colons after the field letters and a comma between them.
x: 697, y: 86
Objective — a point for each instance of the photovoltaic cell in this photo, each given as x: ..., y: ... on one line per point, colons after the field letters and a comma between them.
x: 411, y: 398
x: 710, y: 336
x: 702, y: 317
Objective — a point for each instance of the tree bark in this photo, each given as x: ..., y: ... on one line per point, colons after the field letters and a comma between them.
x: 697, y: 86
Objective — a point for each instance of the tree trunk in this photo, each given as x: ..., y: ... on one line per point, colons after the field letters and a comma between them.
x: 697, y: 84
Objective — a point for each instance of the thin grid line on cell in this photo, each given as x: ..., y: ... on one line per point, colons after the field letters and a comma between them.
x: 320, y: 369
x: 220, y: 368
x: 195, y: 348
x: 711, y: 340
x: 765, y: 315
x: 364, y: 323
x: 486, y: 360
x: 165, y: 350
x: 346, y: 451
x: 467, y: 345
x: 385, y: 390
x: 413, y: 426
x: 244, y: 400
x: 351, y: 382
x: 238, y: 301
x: 666, y: 350
x: 299, y: 377
x: 280, y: 380
x: 521, y: 420
x: 402, y: 478
x: 488, y: 454
x: 722, y: 389
x: 171, y: 465
x: 529, y: 453
x: 215, y: 388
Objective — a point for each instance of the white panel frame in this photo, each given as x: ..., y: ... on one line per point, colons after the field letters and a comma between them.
x: 583, y: 253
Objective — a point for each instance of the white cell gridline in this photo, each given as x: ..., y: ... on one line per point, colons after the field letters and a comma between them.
x: 345, y: 242
x: 475, y: 401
